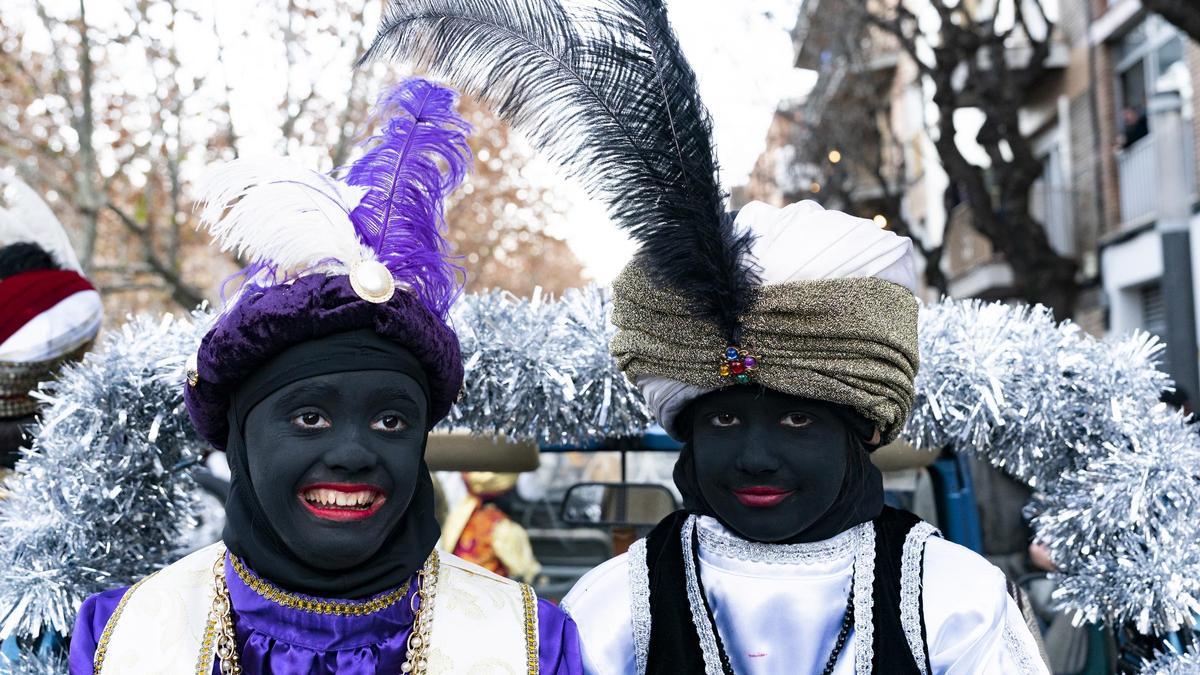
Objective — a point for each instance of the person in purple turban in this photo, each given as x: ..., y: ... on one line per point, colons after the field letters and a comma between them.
x: 321, y: 380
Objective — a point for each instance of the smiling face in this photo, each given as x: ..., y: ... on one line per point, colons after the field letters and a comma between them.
x: 335, y: 459
x: 769, y: 464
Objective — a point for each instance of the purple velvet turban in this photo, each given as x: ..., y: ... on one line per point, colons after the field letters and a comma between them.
x: 266, y: 322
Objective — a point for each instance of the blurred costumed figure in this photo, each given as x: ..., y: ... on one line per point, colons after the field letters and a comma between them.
x: 479, y: 530
x: 321, y: 379
x: 779, y: 344
x: 49, y: 313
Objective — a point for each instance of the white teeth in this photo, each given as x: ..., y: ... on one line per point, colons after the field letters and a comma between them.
x: 326, y: 497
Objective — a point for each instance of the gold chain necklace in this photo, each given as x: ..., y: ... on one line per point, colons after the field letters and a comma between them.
x: 418, y: 639
x: 221, y: 616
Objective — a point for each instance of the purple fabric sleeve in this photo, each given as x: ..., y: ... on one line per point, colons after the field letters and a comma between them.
x: 93, y: 616
x: 558, y: 641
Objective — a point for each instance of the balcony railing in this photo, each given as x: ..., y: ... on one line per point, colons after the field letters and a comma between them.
x: 1138, y: 169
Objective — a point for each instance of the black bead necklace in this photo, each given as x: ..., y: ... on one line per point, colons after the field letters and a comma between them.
x: 843, y: 634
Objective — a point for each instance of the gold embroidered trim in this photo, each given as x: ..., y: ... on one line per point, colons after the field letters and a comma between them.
x: 205, y: 661
x: 531, y: 627
x: 317, y: 605
x: 110, y: 626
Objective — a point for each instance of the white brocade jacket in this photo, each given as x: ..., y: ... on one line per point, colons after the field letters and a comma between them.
x: 778, y: 607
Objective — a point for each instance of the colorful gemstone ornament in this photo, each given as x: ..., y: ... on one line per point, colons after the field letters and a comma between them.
x: 739, y: 364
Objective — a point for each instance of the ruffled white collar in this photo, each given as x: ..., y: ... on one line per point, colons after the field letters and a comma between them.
x: 717, y: 541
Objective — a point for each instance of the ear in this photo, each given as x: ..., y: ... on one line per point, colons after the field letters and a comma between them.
x: 875, y: 438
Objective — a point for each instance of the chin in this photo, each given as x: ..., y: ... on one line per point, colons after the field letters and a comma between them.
x: 754, y: 529
x: 324, y: 556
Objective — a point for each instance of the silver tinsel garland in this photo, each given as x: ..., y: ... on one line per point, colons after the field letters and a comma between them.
x: 540, y: 370
x: 1031, y: 395
x: 1117, y: 493
x: 30, y: 662
x: 102, y: 497
x: 1175, y: 663
x: 1124, y: 528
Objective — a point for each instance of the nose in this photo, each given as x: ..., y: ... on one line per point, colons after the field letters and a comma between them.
x: 351, y: 455
x: 757, y: 456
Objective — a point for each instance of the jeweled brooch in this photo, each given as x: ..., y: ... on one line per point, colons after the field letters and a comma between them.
x: 739, y: 364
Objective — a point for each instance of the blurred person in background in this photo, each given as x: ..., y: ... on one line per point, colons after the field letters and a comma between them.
x: 49, y: 312
x: 480, y: 530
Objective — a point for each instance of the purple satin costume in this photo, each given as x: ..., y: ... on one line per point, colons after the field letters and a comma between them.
x: 276, y: 639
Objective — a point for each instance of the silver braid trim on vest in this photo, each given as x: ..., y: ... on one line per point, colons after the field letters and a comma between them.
x: 864, y: 585
x: 704, y: 628
x: 639, y: 590
x: 911, y: 571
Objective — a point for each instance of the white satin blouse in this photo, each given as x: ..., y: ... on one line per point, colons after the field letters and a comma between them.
x: 778, y: 608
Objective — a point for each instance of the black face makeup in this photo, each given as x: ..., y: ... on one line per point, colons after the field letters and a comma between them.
x: 769, y: 464
x: 335, y: 459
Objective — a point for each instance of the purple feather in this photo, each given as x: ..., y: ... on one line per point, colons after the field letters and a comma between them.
x: 419, y: 157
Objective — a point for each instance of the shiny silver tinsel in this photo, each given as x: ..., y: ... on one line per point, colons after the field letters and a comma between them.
x: 1031, y: 395
x: 1116, y: 473
x: 1125, y: 527
x: 540, y: 370
x: 101, y: 498
x: 30, y: 662
x: 1175, y: 663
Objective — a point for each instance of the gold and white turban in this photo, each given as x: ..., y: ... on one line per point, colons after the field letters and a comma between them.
x: 835, y: 319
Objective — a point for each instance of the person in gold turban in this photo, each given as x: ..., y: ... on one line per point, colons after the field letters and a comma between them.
x: 779, y: 344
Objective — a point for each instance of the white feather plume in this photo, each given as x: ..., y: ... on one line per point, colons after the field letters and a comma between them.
x: 273, y: 211
x: 24, y: 217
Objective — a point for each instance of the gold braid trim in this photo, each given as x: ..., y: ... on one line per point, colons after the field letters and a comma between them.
x: 317, y: 605
x: 110, y: 626
x: 204, y: 662
x: 531, y: 629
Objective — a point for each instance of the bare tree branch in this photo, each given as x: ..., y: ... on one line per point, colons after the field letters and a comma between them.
x: 181, y: 292
x: 1185, y: 14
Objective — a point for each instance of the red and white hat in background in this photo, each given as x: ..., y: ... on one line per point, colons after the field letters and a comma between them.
x: 49, y: 313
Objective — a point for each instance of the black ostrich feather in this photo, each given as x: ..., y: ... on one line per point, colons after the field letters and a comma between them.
x: 604, y: 90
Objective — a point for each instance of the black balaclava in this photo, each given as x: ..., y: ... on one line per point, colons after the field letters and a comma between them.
x: 767, y: 438
x: 339, y: 379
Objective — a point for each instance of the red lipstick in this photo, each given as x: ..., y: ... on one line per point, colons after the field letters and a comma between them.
x: 761, y: 496
x: 342, y: 502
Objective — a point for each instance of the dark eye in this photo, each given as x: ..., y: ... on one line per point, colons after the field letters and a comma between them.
x: 725, y: 420
x: 796, y: 420
x: 389, y: 423
x: 311, y: 420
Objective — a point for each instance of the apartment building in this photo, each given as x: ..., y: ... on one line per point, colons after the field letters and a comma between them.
x: 1091, y: 118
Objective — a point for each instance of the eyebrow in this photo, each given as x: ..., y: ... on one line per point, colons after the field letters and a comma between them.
x: 394, y: 393
x: 308, y: 390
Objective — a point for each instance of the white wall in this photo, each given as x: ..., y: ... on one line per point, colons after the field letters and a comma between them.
x: 1124, y: 267
x: 1133, y: 263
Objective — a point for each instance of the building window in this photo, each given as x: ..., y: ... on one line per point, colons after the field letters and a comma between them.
x: 1154, y: 315
x: 1149, y: 60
